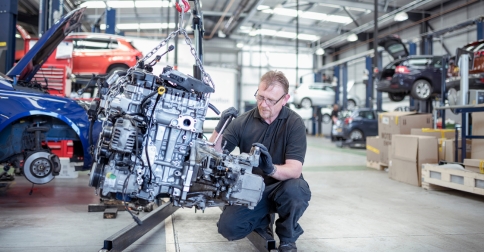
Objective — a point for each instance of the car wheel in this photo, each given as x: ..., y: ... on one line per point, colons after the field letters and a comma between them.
x: 351, y: 105
x: 118, y: 68
x: 326, y: 118
x: 421, y: 90
x: 356, y: 135
x: 306, y: 103
x: 396, y: 97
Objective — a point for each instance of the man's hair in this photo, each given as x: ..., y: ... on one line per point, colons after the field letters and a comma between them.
x: 275, y: 77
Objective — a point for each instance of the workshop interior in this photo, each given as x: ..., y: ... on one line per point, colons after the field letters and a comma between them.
x: 107, y: 109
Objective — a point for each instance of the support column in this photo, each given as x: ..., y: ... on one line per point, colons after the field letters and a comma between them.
x: 8, y: 18
x: 412, y: 50
x: 345, y: 85
x: 338, y: 81
x: 110, y: 21
x: 369, y: 85
x: 379, y: 98
x: 43, y: 16
x: 445, y: 60
x: 480, y: 30
x: 429, y: 42
x: 318, y: 77
x: 55, y: 12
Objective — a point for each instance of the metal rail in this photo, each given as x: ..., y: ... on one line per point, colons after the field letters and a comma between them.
x: 261, y: 242
x: 131, y: 233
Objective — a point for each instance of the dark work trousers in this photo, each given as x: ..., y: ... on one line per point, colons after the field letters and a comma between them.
x: 288, y: 198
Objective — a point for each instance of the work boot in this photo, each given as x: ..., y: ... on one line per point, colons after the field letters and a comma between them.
x: 287, y: 247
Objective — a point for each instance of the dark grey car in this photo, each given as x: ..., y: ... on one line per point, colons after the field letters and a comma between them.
x: 418, y: 76
x: 362, y: 122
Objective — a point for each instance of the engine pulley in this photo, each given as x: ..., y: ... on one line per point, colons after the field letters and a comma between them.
x: 96, y: 175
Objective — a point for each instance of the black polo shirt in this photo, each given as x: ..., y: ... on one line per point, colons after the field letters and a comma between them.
x: 285, y: 137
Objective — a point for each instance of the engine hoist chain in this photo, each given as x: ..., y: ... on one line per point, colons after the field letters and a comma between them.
x: 183, y: 3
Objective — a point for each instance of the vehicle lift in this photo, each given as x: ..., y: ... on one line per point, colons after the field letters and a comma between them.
x: 131, y: 233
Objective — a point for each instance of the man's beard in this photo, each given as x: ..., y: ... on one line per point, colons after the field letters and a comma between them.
x: 265, y: 113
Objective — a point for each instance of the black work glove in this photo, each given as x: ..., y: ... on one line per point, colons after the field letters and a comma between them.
x: 265, y: 160
x: 226, y: 114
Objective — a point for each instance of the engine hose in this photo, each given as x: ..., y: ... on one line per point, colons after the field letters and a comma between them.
x: 211, y: 106
x: 147, y: 98
x: 147, y: 137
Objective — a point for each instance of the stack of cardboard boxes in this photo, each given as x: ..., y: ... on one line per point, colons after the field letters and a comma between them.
x: 476, y: 160
x: 405, y: 141
x: 389, y: 124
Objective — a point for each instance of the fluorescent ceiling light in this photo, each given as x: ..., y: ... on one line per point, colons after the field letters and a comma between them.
x: 338, y: 19
x: 309, y: 37
x: 314, y: 15
x: 320, y: 51
x: 126, y: 4
x: 352, y: 37
x: 339, y: 7
x: 285, y: 34
x: 282, y: 34
x: 267, y: 32
x: 253, y: 32
x: 309, y: 15
x: 240, y: 45
x: 286, y: 12
x: 141, y: 26
x: 263, y: 7
x: 401, y: 16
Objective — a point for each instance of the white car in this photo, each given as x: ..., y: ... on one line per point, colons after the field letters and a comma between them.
x: 317, y: 94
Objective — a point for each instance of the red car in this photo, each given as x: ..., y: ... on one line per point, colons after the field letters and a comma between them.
x: 93, y: 53
x: 98, y: 53
x: 476, y: 73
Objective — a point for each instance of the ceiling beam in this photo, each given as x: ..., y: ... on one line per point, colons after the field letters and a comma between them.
x: 381, y: 20
x: 351, y: 16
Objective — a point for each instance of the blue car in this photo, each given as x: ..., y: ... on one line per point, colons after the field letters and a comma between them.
x: 417, y: 76
x: 362, y: 122
x: 29, y: 116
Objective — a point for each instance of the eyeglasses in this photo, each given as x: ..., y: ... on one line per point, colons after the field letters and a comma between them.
x: 269, y: 102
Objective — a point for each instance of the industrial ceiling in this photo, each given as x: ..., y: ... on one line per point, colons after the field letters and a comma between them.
x: 320, y: 23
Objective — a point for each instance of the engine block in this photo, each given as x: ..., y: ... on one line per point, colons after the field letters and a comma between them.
x: 151, y: 147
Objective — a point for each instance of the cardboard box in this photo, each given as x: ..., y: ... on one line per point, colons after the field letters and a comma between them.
x: 408, y: 153
x: 475, y: 165
x: 449, y: 150
x: 385, y: 146
x: 441, y: 148
x: 396, y: 122
x: 477, y: 151
x: 440, y: 134
x: 373, y: 149
x: 437, y: 133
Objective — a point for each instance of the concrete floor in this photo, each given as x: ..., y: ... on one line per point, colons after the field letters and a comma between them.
x: 353, y: 208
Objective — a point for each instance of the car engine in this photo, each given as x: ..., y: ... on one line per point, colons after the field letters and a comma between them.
x: 151, y: 144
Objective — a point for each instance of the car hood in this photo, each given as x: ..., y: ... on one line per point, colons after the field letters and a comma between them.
x: 394, y: 46
x: 28, y: 65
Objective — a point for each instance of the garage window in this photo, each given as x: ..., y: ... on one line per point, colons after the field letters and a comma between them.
x: 95, y: 44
